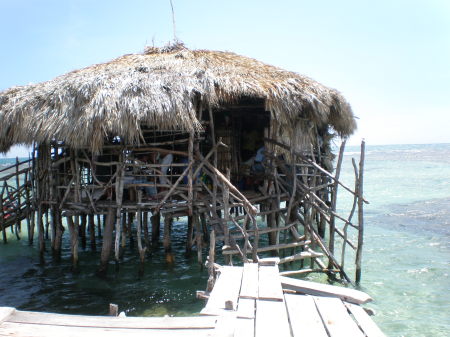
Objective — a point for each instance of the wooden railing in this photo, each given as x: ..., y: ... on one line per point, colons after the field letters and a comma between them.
x: 16, y: 198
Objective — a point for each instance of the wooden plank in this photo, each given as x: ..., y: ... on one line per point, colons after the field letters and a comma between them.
x: 246, y: 308
x: 336, y: 318
x: 271, y: 319
x: 269, y: 285
x: 304, y: 317
x: 227, y: 288
x: 5, y: 312
x: 269, y: 261
x: 225, y: 325
x: 364, y: 321
x: 42, y: 330
x: 244, y: 327
x: 27, y: 317
x: 249, y: 288
x: 318, y: 289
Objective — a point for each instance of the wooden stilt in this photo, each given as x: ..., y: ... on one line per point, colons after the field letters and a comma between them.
x: 107, y: 242
x: 141, y: 250
x: 156, y: 225
x: 41, y: 233
x: 360, y: 214
x: 168, y: 220
x: 190, y: 230
x: 83, y: 223
x: 73, y: 230
x: 145, y: 228
x: 198, y: 239
x: 91, y: 230
x: 211, y: 258
x: 99, y: 225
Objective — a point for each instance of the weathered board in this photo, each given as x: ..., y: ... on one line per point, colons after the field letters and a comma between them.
x: 318, y: 289
x: 227, y: 288
x: 28, y: 317
x: 42, y: 330
x: 364, y: 321
x: 249, y: 288
x: 336, y: 318
x: 304, y: 317
x: 5, y: 313
x: 271, y: 319
x: 269, y: 286
x: 246, y: 308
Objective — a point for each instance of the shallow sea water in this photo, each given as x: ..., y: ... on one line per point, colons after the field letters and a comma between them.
x: 406, y: 255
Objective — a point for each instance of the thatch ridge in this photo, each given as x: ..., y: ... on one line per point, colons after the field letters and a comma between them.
x: 159, y: 87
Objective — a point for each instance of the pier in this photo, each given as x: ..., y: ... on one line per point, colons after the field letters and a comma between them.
x: 250, y: 300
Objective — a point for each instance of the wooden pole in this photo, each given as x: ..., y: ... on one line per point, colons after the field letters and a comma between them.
x: 107, y: 242
x: 198, y: 239
x: 167, y: 238
x: 211, y: 257
x: 73, y: 230
x: 83, y: 230
x: 360, y: 214
x: 91, y: 230
x: 141, y: 250
x: 333, y: 202
x: 155, y: 219
x: 190, y: 231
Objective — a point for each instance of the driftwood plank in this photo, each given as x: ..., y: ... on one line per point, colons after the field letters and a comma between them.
x: 41, y: 330
x: 336, y: 318
x: 227, y: 288
x: 271, y: 319
x: 304, y: 317
x: 269, y: 283
x: 318, y: 289
x: 27, y: 317
x: 249, y: 288
x: 364, y: 321
x: 5, y: 313
x: 246, y: 308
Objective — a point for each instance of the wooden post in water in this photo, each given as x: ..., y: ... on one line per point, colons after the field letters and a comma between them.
x: 333, y: 202
x: 107, y: 242
x: 18, y: 200
x: 198, y: 239
x: 139, y: 236
x: 73, y: 230
x: 2, y: 220
x: 190, y: 231
x: 91, y: 230
x: 360, y: 214
x: 168, y: 220
x: 145, y: 228
x: 82, y: 229
x: 156, y: 227
x: 211, y: 258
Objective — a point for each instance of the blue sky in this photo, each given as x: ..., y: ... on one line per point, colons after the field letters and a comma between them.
x: 391, y: 59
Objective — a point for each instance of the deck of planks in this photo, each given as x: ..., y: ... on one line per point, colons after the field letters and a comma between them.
x: 246, y: 301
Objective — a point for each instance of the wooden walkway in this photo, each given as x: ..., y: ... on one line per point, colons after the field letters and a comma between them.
x: 252, y: 300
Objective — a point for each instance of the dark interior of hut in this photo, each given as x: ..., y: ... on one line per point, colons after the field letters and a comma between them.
x: 156, y: 164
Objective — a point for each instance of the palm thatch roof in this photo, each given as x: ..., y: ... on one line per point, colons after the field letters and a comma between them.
x: 159, y: 88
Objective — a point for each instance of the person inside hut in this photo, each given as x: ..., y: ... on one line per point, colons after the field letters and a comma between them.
x: 143, y: 175
x: 165, y: 162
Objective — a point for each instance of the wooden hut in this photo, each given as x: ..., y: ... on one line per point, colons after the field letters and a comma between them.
x: 217, y: 137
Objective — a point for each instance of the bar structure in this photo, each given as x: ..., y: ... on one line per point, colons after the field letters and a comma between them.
x: 240, y: 148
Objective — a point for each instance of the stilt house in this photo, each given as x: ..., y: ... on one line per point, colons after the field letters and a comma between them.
x: 242, y: 148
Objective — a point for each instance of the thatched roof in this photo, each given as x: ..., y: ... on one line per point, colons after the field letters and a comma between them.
x: 159, y: 88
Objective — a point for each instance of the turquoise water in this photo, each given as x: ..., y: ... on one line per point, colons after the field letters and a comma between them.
x: 405, y: 260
